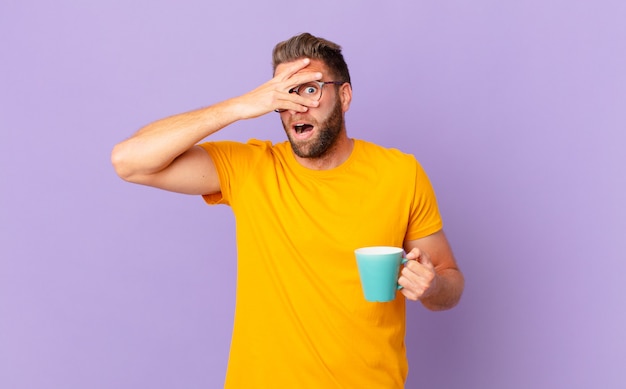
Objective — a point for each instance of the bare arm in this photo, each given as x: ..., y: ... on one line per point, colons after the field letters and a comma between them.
x: 431, y: 275
x: 164, y: 154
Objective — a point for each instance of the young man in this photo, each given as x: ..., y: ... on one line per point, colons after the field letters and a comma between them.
x: 302, y: 207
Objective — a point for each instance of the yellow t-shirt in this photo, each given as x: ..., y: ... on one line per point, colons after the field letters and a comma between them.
x: 301, y: 320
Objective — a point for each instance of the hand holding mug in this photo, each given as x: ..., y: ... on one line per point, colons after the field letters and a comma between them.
x: 418, y: 278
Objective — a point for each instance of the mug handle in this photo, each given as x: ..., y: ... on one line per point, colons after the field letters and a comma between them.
x: 404, y: 260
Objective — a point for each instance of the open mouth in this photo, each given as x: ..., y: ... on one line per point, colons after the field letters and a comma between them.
x: 302, y: 128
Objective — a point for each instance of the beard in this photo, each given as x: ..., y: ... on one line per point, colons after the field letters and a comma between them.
x: 326, y: 138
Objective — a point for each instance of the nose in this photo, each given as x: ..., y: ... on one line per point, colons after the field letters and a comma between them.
x: 292, y: 112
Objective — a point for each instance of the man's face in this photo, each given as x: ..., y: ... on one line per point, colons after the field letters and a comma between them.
x: 313, y: 134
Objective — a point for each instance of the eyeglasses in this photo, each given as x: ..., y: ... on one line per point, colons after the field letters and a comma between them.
x: 311, y: 90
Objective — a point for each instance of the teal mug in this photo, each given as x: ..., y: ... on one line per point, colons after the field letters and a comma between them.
x: 379, y: 269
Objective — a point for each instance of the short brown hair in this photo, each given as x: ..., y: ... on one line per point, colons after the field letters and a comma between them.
x: 309, y: 46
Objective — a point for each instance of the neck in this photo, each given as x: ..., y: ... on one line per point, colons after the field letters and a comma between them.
x: 337, y: 154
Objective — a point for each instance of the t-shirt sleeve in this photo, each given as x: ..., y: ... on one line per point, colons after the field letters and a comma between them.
x: 233, y: 162
x: 424, y: 218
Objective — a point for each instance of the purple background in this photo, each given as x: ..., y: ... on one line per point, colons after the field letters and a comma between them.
x: 516, y: 109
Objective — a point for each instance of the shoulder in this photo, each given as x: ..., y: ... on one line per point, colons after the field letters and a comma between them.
x: 251, y: 144
x: 389, y: 162
x: 380, y: 154
x: 238, y: 156
x: 227, y: 149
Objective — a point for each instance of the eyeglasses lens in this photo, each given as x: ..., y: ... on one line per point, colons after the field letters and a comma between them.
x: 310, y: 90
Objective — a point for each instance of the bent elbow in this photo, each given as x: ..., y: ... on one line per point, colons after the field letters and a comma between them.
x: 120, y: 162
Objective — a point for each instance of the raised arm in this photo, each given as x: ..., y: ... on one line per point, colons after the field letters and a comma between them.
x: 431, y: 275
x: 164, y: 154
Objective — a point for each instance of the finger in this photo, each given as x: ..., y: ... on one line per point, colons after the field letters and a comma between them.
x: 293, y: 102
x: 292, y: 107
x: 292, y: 68
x: 298, y: 79
x: 418, y: 275
x: 412, y: 271
x: 413, y: 254
x: 420, y: 256
x: 424, y: 259
x: 409, y: 289
x: 414, y: 286
x: 409, y: 294
x: 294, y: 76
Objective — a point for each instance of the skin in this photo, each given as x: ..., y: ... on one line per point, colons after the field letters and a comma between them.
x: 321, y: 142
x: 164, y: 154
x: 332, y: 100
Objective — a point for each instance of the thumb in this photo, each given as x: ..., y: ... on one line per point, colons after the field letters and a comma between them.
x: 424, y: 258
x: 415, y: 254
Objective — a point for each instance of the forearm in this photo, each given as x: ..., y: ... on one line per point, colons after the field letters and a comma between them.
x: 447, y: 290
x: 156, y: 145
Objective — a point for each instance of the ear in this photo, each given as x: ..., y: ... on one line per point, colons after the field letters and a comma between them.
x: 345, y: 94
